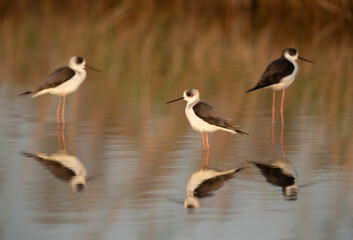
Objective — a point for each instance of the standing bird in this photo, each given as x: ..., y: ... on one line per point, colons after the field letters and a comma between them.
x: 203, y: 117
x: 63, y: 81
x: 279, y: 75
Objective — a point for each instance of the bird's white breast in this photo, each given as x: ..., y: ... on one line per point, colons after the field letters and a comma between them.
x: 197, y: 123
x: 286, y: 81
x: 69, y: 161
x: 197, y: 178
x: 69, y: 86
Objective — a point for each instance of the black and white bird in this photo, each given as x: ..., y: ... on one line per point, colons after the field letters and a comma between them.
x: 205, y: 181
x: 63, y: 166
x: 203, y: 117
x: 280, y: 173
x: 279, y: 74
x: 63, y: 81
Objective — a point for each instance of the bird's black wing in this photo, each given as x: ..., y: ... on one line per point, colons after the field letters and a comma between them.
x: 209, y: 185
x: 273, y: 74
x: 56, y: 168
x: 56, y: 78
x: 210, y: 115
x: 275, y: 175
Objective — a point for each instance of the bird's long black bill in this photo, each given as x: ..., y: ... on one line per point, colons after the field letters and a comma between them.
x: 305, y: 59
x: 93, y: 68
x: 175, y: 100
x: 176, y: 200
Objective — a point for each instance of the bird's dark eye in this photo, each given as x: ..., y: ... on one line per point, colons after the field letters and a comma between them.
x: 189, y: 93
x: 79, y: 60
x: 292, y: 52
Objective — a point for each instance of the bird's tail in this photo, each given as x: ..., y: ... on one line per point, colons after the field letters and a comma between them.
x: 25, y: 93
x: 240, y: 169
x: 232, y: 172
x: 241, y: 132
x: 27, y: 154
x: 252, y: 89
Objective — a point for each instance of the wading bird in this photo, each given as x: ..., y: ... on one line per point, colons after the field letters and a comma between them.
x: 279, y: 75
x: 203, y: 117
x: 63, y: 81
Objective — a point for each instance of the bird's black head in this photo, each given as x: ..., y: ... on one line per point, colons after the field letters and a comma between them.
x: 79, y: 60
x: 189, y: 93
x: 291, y: 51
x: 80, y: 187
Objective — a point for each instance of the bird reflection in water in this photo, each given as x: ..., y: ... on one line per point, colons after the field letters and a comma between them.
x: 62, y: 165
x: 204, y: 182
x: 280, y: 172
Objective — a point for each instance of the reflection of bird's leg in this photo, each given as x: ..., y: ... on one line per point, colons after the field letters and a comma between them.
x: 63, y: 136
x: 208, y: 154
x: 203, y: 160
x: 203, y: 142
x: 273, y: 141
x: 283, y: 91
x: 208, y: 147
x: 58, y: 134
x: 284, y: 156
x: 63, y: 110
x: 273, y: 107
x: 58, y: 111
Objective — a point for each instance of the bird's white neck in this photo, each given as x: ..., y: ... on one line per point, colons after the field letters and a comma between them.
x: 190, y: 104
x: 78, y: 69
x: 290, y: 57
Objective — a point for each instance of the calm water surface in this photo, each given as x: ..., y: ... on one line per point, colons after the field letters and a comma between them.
x: 139, y: 155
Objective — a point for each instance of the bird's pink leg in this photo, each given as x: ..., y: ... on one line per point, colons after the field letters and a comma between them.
x: 273, y: 107
x: 283, y: 91
x: 208, y: 147
x: 63, y: 110
x: 58, y: 111
x: 203, y: 142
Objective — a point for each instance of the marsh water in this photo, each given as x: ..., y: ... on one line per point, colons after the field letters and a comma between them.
x: 140, y: 153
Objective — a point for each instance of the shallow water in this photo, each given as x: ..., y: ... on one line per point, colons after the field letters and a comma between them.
x: 139, y: 161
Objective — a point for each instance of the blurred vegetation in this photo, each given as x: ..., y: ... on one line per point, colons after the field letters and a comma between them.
x: 172, y: 45
x: 301, y: 18
x: 178, y: 25
x: 181, y: 33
